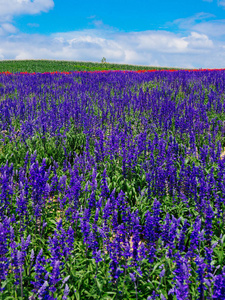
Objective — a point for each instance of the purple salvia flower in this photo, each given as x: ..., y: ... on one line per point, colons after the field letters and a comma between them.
x: 97, y: 256
x: 149, y: 232
x: 62, y: 183
x: 194, y: 237
x: 47, y: 275
x: 153, y: 296
x: 16, y: 263
x: 6, y: 189
x: 106, y: 211
x: 85, y: 225
x: 169, y: 231
x: 20, y: 263
x: 208, y: 223
x: 132, y: 276
x: 181, y: 239
x: 41, y: 291
x: 21, y: 209
x: 201, y: 274
x: 69, y: 241
x: 64, y: 281
x: 104, y: 187
x: 66, y: 292
x: 4, y: 263
x: 92, y: 200
x: 219, y: 286
x: 94, y: 183
x: 43, y: 227
x: 40, y: 271
x: 32, y: 255
x: 182, y: 274
x: 99, y: 203
x: 136, y: 238
x: 54, y: 276
x: 156, y: 215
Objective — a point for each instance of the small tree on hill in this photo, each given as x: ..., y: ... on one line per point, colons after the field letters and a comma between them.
x: 103, y: 60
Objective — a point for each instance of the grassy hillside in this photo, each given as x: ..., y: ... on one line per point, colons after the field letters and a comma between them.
x: 40, y: 66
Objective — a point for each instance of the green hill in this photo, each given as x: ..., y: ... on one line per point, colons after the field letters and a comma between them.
x: 40, y: 66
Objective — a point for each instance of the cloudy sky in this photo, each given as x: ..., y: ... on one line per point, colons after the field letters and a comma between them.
x: 189, y: 34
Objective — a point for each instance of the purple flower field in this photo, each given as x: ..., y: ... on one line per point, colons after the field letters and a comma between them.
x: 112, y: 185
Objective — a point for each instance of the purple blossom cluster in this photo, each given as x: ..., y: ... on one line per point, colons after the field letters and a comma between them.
x: 118, y: 176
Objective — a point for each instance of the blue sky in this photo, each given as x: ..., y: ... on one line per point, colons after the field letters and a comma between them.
x: 174, y: 33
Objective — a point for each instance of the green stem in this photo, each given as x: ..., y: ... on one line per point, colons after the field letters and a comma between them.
x: 124, y: 279
x: 21, y: 283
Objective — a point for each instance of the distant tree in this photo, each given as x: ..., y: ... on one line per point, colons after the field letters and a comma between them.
x: 103, y: 60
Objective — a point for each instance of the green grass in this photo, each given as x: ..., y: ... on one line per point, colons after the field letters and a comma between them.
x: 40, y: 66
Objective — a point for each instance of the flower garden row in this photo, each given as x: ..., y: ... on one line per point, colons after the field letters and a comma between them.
x: 107, y: 71
x: 112, y: 185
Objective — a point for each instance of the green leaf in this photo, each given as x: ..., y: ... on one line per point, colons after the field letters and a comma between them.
x: 77, y: 295
x: 99, y: 285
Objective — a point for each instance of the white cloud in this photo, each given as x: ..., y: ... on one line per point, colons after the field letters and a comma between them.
x: 156, y: 48
x: 10, y: 8
x: 24, y: 55
x: 213, y: 29
x: 197, y: 41
x: 188, y: 23
x: 91, y: 17
x: 33, y: 25
x: 162, y: 41
x: 221, y: 2
x: 7, y: 28
x: 98, y: 23
x: 202, y: 23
